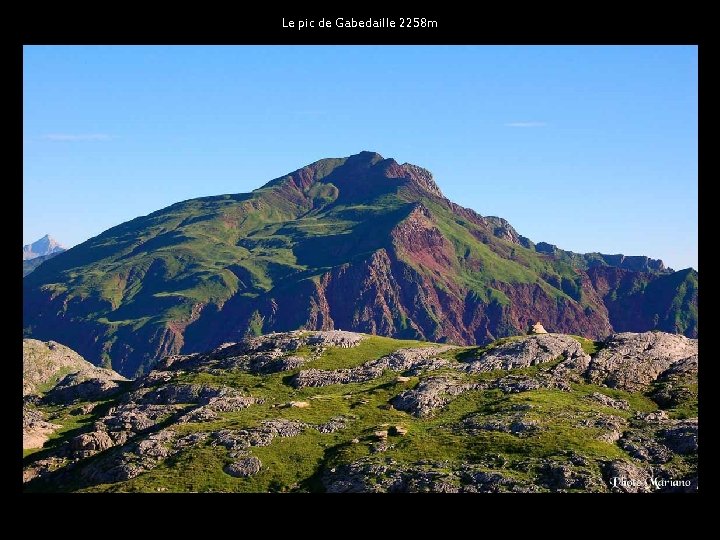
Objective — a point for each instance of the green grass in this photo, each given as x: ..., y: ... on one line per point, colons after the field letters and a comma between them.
x: 370, y: 348
x: 295, y: 463
x: 589, y: 346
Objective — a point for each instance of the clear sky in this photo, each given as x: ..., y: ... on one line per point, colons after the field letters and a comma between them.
x: 588, y: 148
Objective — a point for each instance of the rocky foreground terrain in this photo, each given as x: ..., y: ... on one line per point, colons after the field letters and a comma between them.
x: 332, y: 411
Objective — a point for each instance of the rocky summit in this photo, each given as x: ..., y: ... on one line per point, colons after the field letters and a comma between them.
x: 342, y: 412
x: 40, y: 251
x: 361, y: 243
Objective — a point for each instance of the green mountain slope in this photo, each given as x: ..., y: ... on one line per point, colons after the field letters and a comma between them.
x: 360, y: 243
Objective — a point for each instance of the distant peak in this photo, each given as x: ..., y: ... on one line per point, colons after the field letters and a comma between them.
x: 44, y: 246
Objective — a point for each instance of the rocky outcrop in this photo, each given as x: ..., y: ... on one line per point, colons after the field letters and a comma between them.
x: 262, y: 355
x: 519, y: 416
x: 431, y: 394
x: 244, y: 467
x: 530, y: 351
x: 237, y: 442
x: 411, y: 360
x: 86, y: 385
x: 519, y: 424
x: 36, y: 430
x: 63, y: 375
x: 632, y: 361
x: 370, y: 476
x: 625, y: 477
x: 45, y: 363
x: 620, y: 404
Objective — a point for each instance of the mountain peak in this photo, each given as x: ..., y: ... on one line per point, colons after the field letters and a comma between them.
x: 44, y: 246
x: 372, y: 157
x: 358, y: 177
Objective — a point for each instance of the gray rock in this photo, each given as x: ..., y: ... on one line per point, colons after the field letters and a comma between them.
x: 201, y: 414
x: 91, y: 443
x: 156, y: 445
x: 42, y: 468
x: 36, y: 430
x: 132, y: 459
x: 283, y: 428
x: 171, y: 394
x: 612, y: 426
x: 625, y: 477
x: 561, y: 476
x: 431, y: 394
x: 412, y: 359
x: 516, y: 424
x: 45, y: 363
x: 619, y: 404
x: 279, y: 364
x: 529, y: 351
x: 513, y: 384
x: 682, y: 437
x: 331, y: 426
x: 207, y: 413
x: 244, y: 467
x: 643, y: 446
x: 85, y: 386
x: 632, y: 361
x: 654, y: 417
x: 192, y: 439
x: 260, y: 436
x: 136, y: 418
x: 336, y: 338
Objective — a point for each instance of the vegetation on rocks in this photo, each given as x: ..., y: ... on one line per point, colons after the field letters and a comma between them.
x: 539, y: 413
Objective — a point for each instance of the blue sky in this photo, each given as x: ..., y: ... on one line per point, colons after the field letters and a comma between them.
x: 588, y: 148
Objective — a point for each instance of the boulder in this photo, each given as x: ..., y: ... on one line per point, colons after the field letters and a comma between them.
x: 244, y: 467
x: 632, y: 361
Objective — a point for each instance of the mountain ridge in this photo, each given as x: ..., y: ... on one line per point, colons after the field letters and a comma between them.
x: 361, y: 243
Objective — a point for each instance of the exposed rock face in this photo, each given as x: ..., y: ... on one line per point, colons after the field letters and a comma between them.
x: 682, y: 437
x: 44, y: 363
x: 244, y: 467
x: 411, y: 360
x: 530, y: 351
x: 263, y: 355
x: 619, y: 404
x: 35, y: 429
x: 83, y: 386
x: 632, y: 361
x: 388, y: 255
x: 366, y: 475
x: 91, y: 443
x: 431, y: 394
x: 47, y: 245
x: 624, y: 477
x: 335, y: 338
x: 518, y: 424
x: 64, y: 374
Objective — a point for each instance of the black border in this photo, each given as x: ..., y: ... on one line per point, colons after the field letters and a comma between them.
x: 520, y: 26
